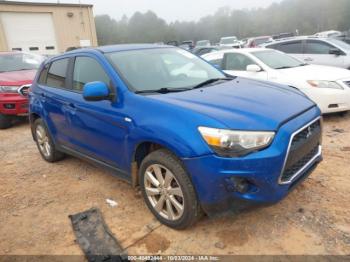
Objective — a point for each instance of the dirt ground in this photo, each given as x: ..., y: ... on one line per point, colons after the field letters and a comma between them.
x: 36, y: 199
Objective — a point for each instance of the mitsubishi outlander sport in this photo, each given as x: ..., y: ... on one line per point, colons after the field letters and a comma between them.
x: 193, y: 139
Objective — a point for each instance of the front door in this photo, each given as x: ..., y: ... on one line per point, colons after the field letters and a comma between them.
x: 98, y: 129
x: 318, y: 52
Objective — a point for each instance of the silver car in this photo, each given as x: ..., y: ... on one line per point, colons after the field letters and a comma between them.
x: 315, y: 50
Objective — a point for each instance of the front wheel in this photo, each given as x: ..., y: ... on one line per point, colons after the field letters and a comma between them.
x: 44, y: 142
x: 168, y: 190
x: 5, y: 121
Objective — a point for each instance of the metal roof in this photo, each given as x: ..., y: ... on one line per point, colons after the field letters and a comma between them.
x: 43, y: 4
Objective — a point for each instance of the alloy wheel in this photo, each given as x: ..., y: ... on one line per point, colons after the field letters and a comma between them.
x: 164, y: 192
x: 43, y: 141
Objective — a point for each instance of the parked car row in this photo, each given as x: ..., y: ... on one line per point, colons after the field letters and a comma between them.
x: 328, y: 87
x: 315, y: 50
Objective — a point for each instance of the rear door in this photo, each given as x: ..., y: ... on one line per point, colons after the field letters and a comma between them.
x: 53, y: 90
x: 318, y: 52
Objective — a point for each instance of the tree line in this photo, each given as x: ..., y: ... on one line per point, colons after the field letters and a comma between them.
x: 306, y: 16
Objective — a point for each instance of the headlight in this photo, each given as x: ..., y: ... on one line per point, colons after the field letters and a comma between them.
x: 324, y: 84
x: 8, y: 89
x: 231, y: 143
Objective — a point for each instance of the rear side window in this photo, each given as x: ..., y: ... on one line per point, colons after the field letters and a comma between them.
x: 56, y: 76
x: 294, y: 47
x: 317, y: 47
x: 87, y: 70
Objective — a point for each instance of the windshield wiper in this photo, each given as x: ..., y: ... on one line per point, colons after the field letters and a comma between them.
x: 163, y: 90
x: 24, y: 69
x: 283, y: 67
x: 211, y: 81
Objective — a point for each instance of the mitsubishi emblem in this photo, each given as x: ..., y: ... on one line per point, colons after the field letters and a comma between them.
x: 309, y: 132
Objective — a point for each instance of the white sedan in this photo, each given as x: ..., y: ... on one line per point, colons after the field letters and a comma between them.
x: 328, y: 87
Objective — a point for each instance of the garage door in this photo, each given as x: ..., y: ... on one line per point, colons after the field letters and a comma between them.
x: 30, y: 32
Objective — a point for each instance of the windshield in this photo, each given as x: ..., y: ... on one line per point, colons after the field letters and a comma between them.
x: 19, y: 61
x: 340, y: 44
x: 229, y: 40
x: 171, y: 68
x: 277, y: 60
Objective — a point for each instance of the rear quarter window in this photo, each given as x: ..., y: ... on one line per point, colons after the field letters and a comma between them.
x: 43, y: 75
x: 57, y: 74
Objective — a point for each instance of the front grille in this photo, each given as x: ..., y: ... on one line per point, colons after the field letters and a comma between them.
x: 303, y: 148
x: 347, y: 83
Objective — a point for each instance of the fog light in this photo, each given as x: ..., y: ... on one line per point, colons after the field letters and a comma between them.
x: 237, y: 184
x: 9, y: 106
x: 241, y: 185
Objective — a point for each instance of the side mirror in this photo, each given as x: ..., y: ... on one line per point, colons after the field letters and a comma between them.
x: 96, y: 91
x: 253, y: 68
x: 335, y: 51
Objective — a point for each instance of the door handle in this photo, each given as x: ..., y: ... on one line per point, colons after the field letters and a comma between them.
x: 308, y: 59
x: 71, y: 105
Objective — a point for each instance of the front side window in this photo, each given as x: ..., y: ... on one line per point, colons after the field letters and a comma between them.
x: 57, y: 74
x: 237, y: 62
x: 157, y: 68
x: 88, y: 70
x: 317, y: 47
x: 19, y: 62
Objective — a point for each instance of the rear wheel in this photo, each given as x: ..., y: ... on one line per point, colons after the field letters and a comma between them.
x: 44, y: 142
x: 5, y: 121
x: 168, y: 191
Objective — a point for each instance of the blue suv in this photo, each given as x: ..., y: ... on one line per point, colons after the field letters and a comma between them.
x: 192, y: 138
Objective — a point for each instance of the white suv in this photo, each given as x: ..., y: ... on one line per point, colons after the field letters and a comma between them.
x: 314, y: 50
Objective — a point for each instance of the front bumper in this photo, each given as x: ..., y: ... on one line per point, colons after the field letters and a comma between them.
x: 330, y: 100
x: 212, y: 175
x: 13, y: 104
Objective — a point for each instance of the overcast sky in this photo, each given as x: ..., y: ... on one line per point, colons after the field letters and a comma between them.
x: 169, y: 10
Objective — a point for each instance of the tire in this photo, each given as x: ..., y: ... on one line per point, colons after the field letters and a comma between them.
x: 342, y: 114
x: 174, y: 190
x: 5, y: 121
x: 45, y: 143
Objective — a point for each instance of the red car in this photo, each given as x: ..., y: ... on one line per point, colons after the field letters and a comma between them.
x: 256, y: 41
x: 17, y: 71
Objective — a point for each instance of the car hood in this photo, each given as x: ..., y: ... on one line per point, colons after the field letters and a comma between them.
x: 316, y: 72
x: 17, y: 77
x: 243, y: 103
